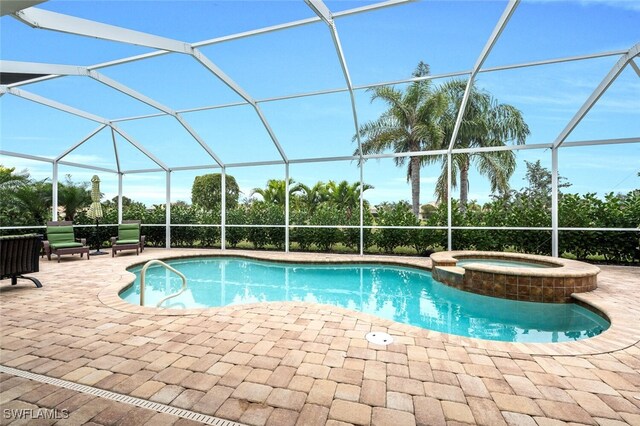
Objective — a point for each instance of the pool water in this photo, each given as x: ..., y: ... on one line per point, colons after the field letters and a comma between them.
x: 502, y: 262
x: 406, y: 295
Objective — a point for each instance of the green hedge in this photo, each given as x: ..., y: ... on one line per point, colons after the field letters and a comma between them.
x: 614, y: 211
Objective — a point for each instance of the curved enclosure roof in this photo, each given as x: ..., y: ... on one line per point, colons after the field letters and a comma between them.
x: 136, y: 86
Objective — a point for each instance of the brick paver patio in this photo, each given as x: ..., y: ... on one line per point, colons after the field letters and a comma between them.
x: 297, y: 363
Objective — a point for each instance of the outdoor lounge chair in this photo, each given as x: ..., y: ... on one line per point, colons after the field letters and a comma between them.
x: 61, y: 240
x: 128, y: 238
x: 19, y: 255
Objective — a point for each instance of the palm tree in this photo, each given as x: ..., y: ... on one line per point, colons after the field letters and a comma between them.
x: 486, y: 123
x: 312, y: 197
x: 275, y: 191
x: 73, y: 196
x: 346, y: 196
x: 34, y: 200
x: 410, y: 124
x: 24, y: 201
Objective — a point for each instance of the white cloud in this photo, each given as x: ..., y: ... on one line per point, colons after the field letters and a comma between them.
x: 631, y: 5
x: 619, y: 4
x: 37, y: 169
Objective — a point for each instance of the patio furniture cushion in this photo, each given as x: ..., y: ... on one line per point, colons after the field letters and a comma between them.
x: 127, y: 241
x: 66, y: 245
x: 60, y: 235
x: 128, y: 232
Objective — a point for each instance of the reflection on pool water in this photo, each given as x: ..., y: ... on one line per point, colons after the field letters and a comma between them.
x: 406, y: 295
x: 501, y: 262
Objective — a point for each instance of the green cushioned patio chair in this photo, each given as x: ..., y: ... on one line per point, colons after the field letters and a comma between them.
x: 61, y: 240
x: 128, y: 238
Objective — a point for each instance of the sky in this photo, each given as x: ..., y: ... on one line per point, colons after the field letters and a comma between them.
x: 379, y: 46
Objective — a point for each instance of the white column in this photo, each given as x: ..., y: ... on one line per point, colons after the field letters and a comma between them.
x: 449, y: 215
x: 54, y: 192
x: 168, y: 211
x: 554, y: 202
x: 286, y: 208
x: 223, y: 209
x: 361, y: 207
x: 119, y: 197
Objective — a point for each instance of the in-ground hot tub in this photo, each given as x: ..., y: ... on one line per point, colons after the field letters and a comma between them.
x: 515, y: 276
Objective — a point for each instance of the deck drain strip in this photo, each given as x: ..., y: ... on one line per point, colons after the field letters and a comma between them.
x: 138, y: 402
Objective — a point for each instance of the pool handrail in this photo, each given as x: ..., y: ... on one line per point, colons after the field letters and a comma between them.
x: 143, y: 273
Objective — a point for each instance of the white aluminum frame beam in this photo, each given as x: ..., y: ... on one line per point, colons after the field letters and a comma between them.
x: 399, y: 154
x: 115, y: 151
x: 65, y: 108
x: 324, y: 13
x: 54, y: 192
x: 250, y: 33
x: 43, y: 68
x: 167, y: 222
x: 69, y: 24
x: 26, y: 156
x: 231, y: 84
x: 286, y: 207
x: 54, y: 104
x: 378, y: 84
x: 83, y: 140
x: 87, y: 166
x: 300, y: 22
x: 140, y: 148
x: 40, y: 18
x: 223, y: 209
x: 635, y: 67
x: 500, y: 26
x: 555, y: 242
x: 606, y: 82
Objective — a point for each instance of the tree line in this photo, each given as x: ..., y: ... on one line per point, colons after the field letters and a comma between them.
x: 337, y: 204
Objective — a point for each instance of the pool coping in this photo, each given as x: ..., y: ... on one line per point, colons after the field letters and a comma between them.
x: 620, y: 334
x: 561, y: 267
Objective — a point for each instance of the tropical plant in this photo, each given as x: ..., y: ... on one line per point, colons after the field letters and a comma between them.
x: 346, y: 196
x: 34, y: 201
x: 310, y: 198
x: 73, y: 197
x: 409, y: 124
x: 275, y: 191
x: 486, y: 123
x: 10, y: 182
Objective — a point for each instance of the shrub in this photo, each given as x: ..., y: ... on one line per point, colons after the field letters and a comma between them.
x: 237, y: 216
x: 325, y: 238
x: 397, y: 214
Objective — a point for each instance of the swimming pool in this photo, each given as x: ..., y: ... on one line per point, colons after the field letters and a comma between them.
x: 406, y: 295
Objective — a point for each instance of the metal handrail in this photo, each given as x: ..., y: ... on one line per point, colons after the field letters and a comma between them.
x: 143, y: 273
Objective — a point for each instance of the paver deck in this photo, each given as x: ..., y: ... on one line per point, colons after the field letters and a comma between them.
x: 298, y: 363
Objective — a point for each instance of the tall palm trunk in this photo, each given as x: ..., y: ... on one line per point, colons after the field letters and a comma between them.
x: 415, y: 185
x: 464, y: 184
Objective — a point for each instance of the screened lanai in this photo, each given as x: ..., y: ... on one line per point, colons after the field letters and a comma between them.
x: 150, y: 95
